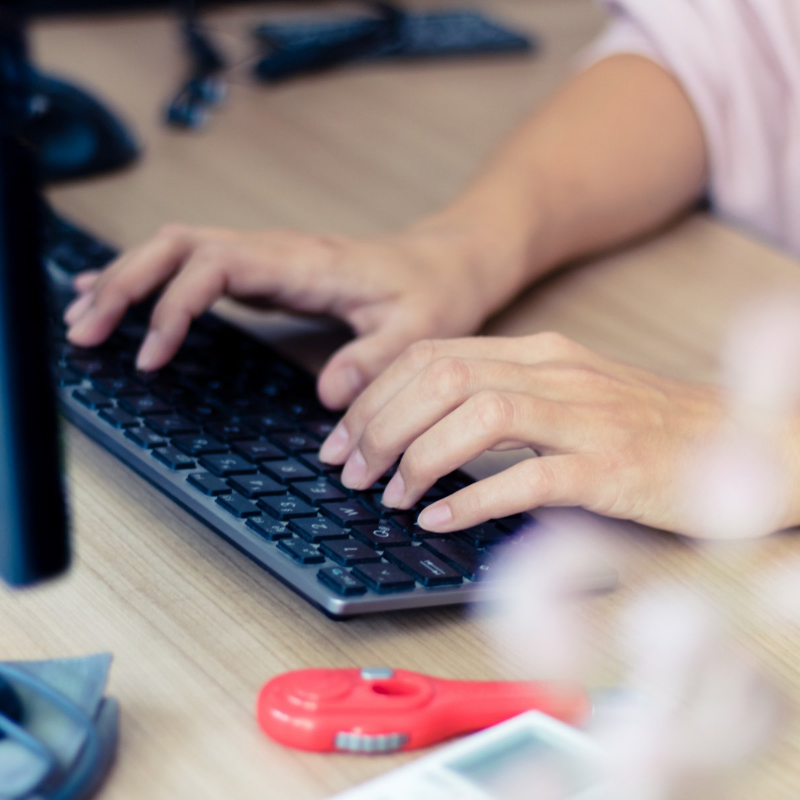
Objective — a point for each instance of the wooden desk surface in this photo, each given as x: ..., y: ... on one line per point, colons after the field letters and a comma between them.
x: 194, y: 626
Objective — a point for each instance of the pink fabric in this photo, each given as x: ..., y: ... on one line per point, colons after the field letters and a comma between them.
x: 739, y: 62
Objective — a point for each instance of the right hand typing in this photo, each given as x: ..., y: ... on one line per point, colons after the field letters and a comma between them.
x: 391, y: 290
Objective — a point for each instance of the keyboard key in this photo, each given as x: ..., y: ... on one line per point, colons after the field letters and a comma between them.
x: 268, y: 423
x: 301, y: 552
x: 237, y: 505
x: 295, y: 442
x: 380, y: 535
x: 209, y: 485
x: 119, y: 418
x: 318, y: 491
x: 320, y: 429
x: 173, y: 458
x: 287, y: 507
x: 349, y: 513
x: 229, y: 431
x: 67, y: 377
x: 287, y: 470
x: 316, y: 529
x: 384, y: 577
x: 171, y: 425
x: 311, y: 460
x: 483, y: 535
x: 91, y: 399
x: 424, y: 566
x: 227, y: 464
x: 270, y: 529
x: 91, y: 367
x: 118, y: 387
x: 259, y: 450
x: 198, y: 444
x: 471, y: 563
x: 341, y: 581
x: 348, y: 552
x: 146, y: 438
x: 254, y: 486
x: 145, y: 405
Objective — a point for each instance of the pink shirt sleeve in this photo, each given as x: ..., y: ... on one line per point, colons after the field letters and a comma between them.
x: 739, y: 63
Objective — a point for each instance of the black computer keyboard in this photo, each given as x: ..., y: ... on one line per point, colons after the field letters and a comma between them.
x: 230, y: 430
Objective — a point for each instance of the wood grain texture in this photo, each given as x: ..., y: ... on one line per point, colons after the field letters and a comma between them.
x: 194, y: 626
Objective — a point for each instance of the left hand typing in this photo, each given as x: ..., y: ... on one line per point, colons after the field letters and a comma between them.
x: 612, y: 438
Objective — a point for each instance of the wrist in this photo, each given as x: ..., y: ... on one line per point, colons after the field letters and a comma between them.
x: 494, y: 253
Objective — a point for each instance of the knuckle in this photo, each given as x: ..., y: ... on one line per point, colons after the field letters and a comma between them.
x: 214, y: 253
x: 539, y: 478
x: 374, y: 439
x: 471, y: 504
x: 446, y: 378
x: 421, y: 353
x: 413, y: 466
x: 554, y: 344
x: 493, y: 411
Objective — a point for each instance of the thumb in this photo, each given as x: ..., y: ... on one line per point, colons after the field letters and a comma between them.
x: 352, y: 368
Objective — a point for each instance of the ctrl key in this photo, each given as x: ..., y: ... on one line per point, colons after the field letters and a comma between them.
x: 341, y: 581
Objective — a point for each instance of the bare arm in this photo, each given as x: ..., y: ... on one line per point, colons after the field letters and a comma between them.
x: 617, y: 152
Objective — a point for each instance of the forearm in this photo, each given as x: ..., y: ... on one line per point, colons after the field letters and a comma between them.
x: 617, y: 152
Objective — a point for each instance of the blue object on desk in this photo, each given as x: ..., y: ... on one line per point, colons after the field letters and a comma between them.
x: 58, y: 733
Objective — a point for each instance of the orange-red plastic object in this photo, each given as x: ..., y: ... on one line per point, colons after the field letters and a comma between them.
x: 382, y: 710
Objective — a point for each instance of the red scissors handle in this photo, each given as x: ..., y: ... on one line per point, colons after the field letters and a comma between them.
x: 384, y: 710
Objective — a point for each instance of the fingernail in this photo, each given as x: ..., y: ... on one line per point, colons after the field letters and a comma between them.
x: 395, y: 491
x: 148, y: 351
x: 77, y: 308
x: 82, y: 326
x: 435, y: 517
x: 334, y: 448
x: 355, y: 470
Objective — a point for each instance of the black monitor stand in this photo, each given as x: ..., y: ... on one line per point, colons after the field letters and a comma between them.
x: 33, y: 521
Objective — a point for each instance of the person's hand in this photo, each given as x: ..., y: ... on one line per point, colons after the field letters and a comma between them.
x: 391, y: 290
x: 613, y: 439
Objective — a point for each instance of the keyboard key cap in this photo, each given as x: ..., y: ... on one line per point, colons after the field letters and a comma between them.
x: 384, y: 577
x: 91, y: 367
x: 229, y: 431
x: 311, y: 460
x: 483, y: 535
x: 209, y: 485
x: 316, y: 529
x: 471, y: 563
x: 255, y: 486
x: 171, y: 425
x: 67, y: 377
x: 429, y: 570
x: 119, y: 418
x: 380, y: 536
x: 173, y: 458
x: 287, y: 470
x: 145, y: 405
x: 269, y: 423
x: 318, y: 491
x: 301, y: 552
x: 227, y: 464
x: 320, y: 429
x: 198, y: 444
x: 144, y: 437
x: 287, y: 507
x: 349, y: 513
x: 237, y: 505
x: 91, y: 399
x: 118, y: 387
x: 341, y: 581
x: 348, y: 552
x: 259, y: 450
x: 270, y: 529
x: 295, y: 442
